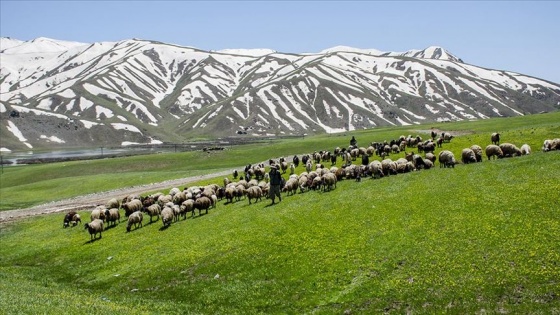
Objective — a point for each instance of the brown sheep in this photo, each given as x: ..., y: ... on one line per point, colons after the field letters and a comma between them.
x: 202, y: 203
x: 468, y: 156
x: 510, y: 150
x: 112, y: 216
x: 494, y: 151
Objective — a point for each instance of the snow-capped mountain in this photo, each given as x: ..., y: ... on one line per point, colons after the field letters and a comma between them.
x: 137, y: 91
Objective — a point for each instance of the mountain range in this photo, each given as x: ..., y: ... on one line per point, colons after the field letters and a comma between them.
x: 57, y: 93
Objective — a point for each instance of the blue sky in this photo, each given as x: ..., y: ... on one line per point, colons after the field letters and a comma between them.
x: 520, y: 36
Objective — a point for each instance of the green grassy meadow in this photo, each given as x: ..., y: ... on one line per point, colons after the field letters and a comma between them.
x: 475, y: 239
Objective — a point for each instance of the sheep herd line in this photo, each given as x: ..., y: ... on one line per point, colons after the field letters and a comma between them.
x: 253, y: 183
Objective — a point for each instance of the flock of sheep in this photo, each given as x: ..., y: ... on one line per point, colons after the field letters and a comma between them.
x: 253, y: 185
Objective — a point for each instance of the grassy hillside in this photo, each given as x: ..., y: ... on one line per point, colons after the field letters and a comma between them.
x: 479, y: 238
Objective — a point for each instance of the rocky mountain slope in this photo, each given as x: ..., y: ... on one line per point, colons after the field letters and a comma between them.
x: 67, y: 94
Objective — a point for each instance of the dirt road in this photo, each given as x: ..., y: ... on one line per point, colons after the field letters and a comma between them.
x: 92, y: 200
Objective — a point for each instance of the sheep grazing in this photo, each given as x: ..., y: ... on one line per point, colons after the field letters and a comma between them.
x: 167, y: 216
x: 70, y: 217
x: 230, y: 194
x: 510, y: 150
x: 135, y: 219
x: 477, y: 152
x: 76, y: 219
x: 428, y: 164
x: 94, y: 227
x: 389, y: 167
x: 468, y: 156
x: 375, y: 169
x: 495, y: 138
x: 494, y: 151
x: 132, y: 206
x: 328, y: 181
x: 417, y: 161
x: 291, y: 186
x: 112, y: 203
x: 112, y: 216
x: 547, y: 145
x: 202, y: 203
x: 550, y: 145
x: 446, y: 159
x: 525, y: 149
x: 431, y: 157
x: 98, y: 213
x: 254, y: 192
x: 153, y: 211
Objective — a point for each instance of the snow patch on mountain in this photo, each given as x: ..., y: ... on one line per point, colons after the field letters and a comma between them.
x: 128, y: 127
x: 17, y: 133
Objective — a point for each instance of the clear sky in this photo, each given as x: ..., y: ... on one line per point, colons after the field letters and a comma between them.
x: 519, y: 36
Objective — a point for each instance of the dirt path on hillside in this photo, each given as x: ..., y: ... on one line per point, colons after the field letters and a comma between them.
x: 92, y: 200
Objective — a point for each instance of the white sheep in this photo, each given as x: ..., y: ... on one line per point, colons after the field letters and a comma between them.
x: 94, y: 227
x: 167, y: 216
x: 446, y: 159
x: 493, y: 151
x: 525, y: 149
x: 174, y: 191
x: 477, y: 152
x: 135, y: 219
x: 546, y: 145
x: 98, y: 213
x: 112, y: 203
x: 154, y: 211
x: 550, y: 145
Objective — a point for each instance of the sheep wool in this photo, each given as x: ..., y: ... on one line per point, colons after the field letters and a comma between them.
x: 94, y: 227
x: 446, y: 159
x: 468, y: 156
x: 494, y: 151
x: 135, y: 219
x: 510, y: 150
x: 167, y: 216
x: 525, y: 149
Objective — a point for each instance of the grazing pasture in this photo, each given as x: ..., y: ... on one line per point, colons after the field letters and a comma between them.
x: 477, y: 238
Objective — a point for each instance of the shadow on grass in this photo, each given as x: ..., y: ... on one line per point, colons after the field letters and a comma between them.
x: 165, y: 227
x: 92, y: 240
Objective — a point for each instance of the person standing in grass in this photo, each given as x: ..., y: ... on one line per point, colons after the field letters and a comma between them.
x: 353, y: 142
x: 275, y: 182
